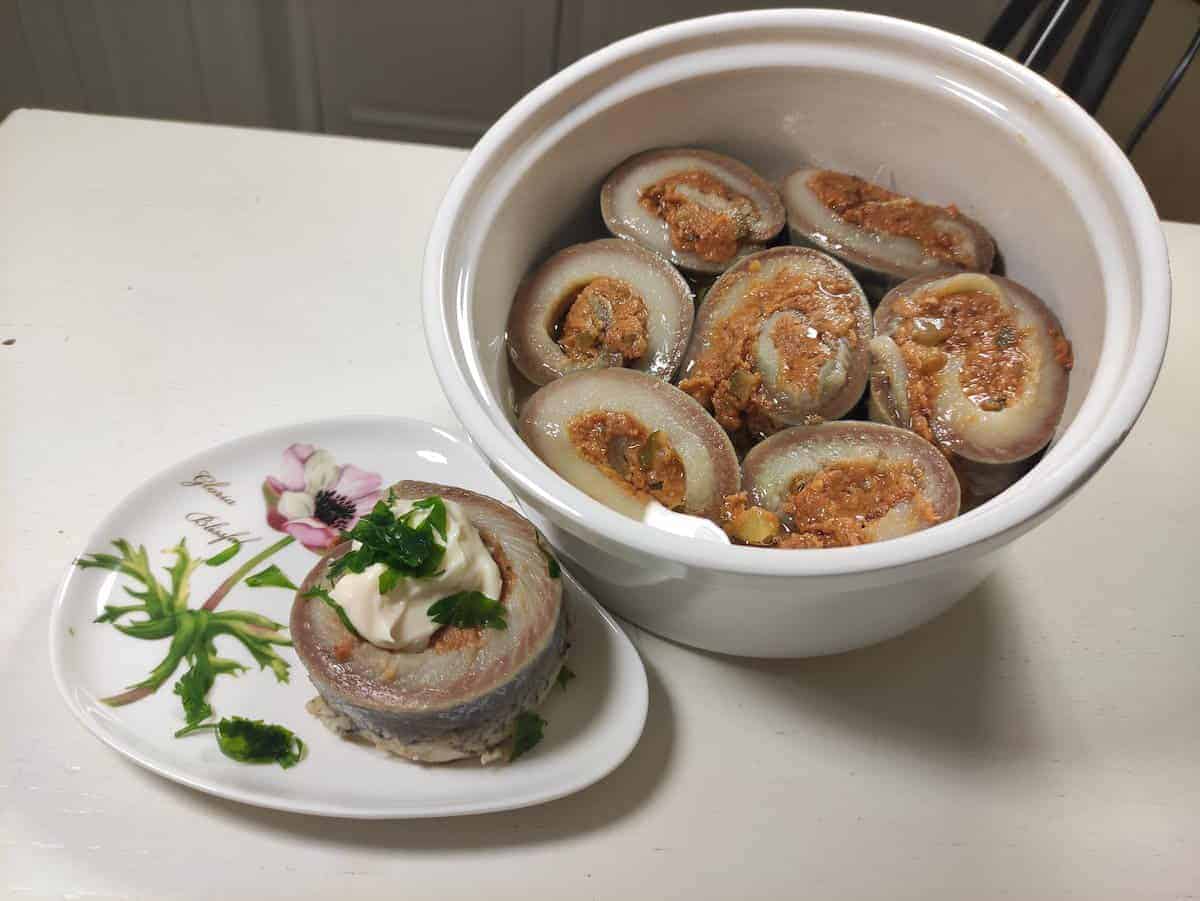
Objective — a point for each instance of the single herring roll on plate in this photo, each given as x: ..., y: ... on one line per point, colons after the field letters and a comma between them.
x: 436, y: 629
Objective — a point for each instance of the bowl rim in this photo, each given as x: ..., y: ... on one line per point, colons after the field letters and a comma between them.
x: 985, y: 526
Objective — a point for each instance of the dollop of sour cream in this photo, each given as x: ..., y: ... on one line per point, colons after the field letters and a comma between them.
x: 399, y: 620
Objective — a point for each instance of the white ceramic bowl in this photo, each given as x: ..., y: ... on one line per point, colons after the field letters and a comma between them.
x: 934, y: 114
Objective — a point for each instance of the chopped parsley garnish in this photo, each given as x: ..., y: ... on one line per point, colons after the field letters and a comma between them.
x: 253, y: 741
x: 565, y: 675
x: 388, y: 580
x: 552, y: 566
x: 411, y: 545
x: 468, y: 609
x: 527, y: 733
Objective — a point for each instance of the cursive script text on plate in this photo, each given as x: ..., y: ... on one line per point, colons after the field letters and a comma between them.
x: 206, y: 480
x: 220, y: 529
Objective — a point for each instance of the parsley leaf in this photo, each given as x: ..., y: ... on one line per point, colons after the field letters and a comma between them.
x: 527, y: 733
x: 322, y: 594
x: 272, y: 576
x: 412, y: 545
x: 468, y: 609
x: 552, y: 566
x: 565, y: 675
x: 436, y: 514
x: 388, y: 579
x: 253, y: 741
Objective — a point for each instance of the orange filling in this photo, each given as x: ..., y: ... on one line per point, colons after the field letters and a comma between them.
x: 801, y: 351
x: 642, y: 461
x: 836, y: 507
x: 1063, y: 354
x: 973, y: 325
x: 725, y: 376
x: 606, y: 318
x: 839, y: 505
x: 859, y: 202
x: 703, y: 215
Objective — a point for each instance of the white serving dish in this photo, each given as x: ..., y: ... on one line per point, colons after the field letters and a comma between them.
x: 928, y: 112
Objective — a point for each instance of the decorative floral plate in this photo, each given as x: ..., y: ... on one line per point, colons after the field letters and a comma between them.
x: 214, y: 546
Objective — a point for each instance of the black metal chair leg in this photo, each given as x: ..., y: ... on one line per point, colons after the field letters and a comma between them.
x: 1056, y: 23
x: 1105, y: 44
x: 1103, y: 49
x: 1009, y: 23
x: 1165, y: 93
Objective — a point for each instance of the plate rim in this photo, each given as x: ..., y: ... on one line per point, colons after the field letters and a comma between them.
x: 260, y: 798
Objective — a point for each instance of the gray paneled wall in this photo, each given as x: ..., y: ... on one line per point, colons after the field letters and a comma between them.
x: 437, y: 72
x: 442, y: 71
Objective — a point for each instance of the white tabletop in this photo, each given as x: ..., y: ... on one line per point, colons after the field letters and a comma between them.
x: 172, y: 286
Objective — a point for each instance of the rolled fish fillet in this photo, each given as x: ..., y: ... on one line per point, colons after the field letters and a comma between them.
x: 462, y: 695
